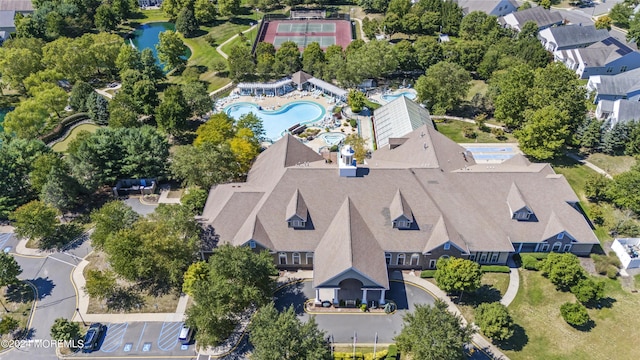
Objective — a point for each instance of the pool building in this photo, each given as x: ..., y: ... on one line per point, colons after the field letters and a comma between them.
x: 410, y: 204
x: 398, y: 118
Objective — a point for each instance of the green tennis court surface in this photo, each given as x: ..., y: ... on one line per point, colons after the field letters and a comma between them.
x: 303, y: 41
x: 306, y: 28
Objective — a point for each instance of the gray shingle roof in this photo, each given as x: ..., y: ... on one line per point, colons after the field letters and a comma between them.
x: 574, y: 35
x: 449, y: 198
x: 6, y: 18
x: 619, y: 84
x: 541, y: 16
x: 486, y: 6
x: 17, y: 5
x: 399, y: 207
x: 297, y: 207
x: 515, y: 200
x: 603, y: 52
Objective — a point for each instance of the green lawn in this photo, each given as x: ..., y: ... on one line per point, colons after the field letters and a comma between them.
x: 453, y: 129
x: 18, y: 300
x: 249, y: 37
x: 545, y: 334
x: 494, y: 285
x: 477, y: 86
x: 612, y: 164
x: 61, y: 146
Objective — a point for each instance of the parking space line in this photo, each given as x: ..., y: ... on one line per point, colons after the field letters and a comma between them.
x: 114, y: 337
x: 168, y: 337
x: 3, y: 239
x: 62, y: 261
x: 142, y: 333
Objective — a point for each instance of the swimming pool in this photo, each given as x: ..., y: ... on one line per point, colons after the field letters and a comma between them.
x: 390, y: 97
x: 332, y: 138
x: 493, y: 156
x: 276, y: 122
x: 489, y: 149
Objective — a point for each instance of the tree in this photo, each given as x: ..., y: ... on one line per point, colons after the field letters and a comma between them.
x: 614, y: 141
x: 63, y: 329
x: 281, y: 335
x: 9, y: 270
x: 620, y: 13
x: 100, y: 284
x: 406, y: 55
x: 106, y: 19
x: 509, y: 94
x: 17, y: 63
x: 171, y: 50
x: 150, y: 69
x: 173, y: 111
x: 604, y: 22
x: 526, y: 5
x: 477, y: 25
x: 240, y: 62
x: 205, y: 165
x: 313, y: 59
x: 61, y: 190
x: 358, y: 144
x: 197, y: 272
x: 238, y: 279
x: 588, y: 291
x: 356, y: 100
x: 79, y: 95
x: 205, y: 11
x: 590, y: 134
x: 428, y: 52
x: 544, y: 133
x: 287, y: 58
x: 245, y: 148
x: 8, y: 324
x: 596, y: 187
x: 494, y: 321
x: 186, y: 23
x: 128, y: 58
x: 35, y: 220
x: 433, y: 333
x: 564, y: 270
x: 28, y: 120
x: 98, y: 108
x: 451, y: 17
x: 253, y: 122
x: 173, y: 7
x: 109, y: 219
x: 145, y: 95
x: 574, y: 314
x: 443, y: 87
x: 197, y: 97
x: 194, y: 199
x: 228, y: 7
x: 624, y: 190
x: 457, y: 274
x: 217, y: 130
x: 123, y: 112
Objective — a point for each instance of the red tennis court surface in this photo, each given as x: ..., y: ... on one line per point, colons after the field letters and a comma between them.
x: 304, y: 32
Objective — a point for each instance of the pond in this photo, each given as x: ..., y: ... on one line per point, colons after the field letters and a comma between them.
x: 146, y: 37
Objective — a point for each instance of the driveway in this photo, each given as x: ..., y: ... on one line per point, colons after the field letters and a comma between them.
x: 365, y: 325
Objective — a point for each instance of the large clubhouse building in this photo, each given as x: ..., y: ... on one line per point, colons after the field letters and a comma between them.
x: 420, y: 198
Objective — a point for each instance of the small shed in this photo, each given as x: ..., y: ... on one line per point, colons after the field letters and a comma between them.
x: 628, y: 251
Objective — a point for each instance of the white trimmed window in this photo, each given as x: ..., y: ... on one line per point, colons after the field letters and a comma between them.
x: 567, y: 248
x: 432, y: 264
x: 472, y: 257
x: 400, y: 259
x: 494, y: 257
x: 483, y: 257
x: 309, y: 258
x: 415, y: 259
x: 282, y: 259
x: 556, y: 246
x: 387, y: 258
x: 544, y: 247
x: 296, y: 258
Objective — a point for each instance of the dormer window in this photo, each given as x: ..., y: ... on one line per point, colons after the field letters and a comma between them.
x: 521, y: 215
x: 402, y: 223
x: 447, y: 246
x: 400, y: 212
x: 297, y: 223
x: 297, y: 213
x: 560, y: 236
x: 518, y: 206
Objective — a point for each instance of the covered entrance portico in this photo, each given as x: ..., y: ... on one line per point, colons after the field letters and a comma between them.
x: 351, y: 287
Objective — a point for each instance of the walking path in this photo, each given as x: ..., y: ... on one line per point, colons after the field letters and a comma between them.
x: 589, y: 164
x: 514, y: 284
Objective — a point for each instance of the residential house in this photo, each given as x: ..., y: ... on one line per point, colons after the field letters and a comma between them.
x: 607, y: 57
x: 539, y: 15
x: 625, y: 85
x: 491, y: 7
x: 398, y: 118
x: 571, y: 37
x: 149, y: 3
x: 621, y: 110
x: 22, y: 6
x: 410, y: 204
x: 7, y: 24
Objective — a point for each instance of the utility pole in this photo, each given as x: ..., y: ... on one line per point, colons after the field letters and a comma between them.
x: 81, y: 318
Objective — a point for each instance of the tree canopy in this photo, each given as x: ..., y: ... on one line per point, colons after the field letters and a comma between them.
x: 443, y: 87
x: 9, y: 270
x: 494, y: 321
x: 457, y: 274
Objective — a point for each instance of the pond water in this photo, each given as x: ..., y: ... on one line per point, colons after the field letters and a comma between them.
x: 146, y: 37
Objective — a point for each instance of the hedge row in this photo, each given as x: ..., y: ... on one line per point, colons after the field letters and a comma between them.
x: 536, y: 255
x: 380, y: 355
x: 393, y: 352
x: 427, y: 274
x: 495, y: 269
x: 66, y: 122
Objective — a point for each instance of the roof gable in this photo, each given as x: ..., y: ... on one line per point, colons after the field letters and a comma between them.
x: 297, y: 207
x: 443, y: 232
x: 399, y: 207
x: 554, y: 227
x: 515, y: 200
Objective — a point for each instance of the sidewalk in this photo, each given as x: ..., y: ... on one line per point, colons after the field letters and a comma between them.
x: 477, y: 339
x: 514, y: 284
x: 588, y: 164
x: 82, y: 303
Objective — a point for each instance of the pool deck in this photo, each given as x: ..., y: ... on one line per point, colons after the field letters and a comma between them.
x: 377, y: 96
x: 276, y: 102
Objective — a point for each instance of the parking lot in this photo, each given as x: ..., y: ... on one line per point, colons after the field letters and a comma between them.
x: 142, y: 339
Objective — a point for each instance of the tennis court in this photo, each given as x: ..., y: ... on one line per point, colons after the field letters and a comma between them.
x: 308, y: 27
x: 325, y: 32
x: 303, y: 41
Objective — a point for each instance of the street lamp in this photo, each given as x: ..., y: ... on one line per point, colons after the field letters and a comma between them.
x: 79, y: 314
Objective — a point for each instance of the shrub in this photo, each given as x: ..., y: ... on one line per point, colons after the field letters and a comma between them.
x: 353, y: 123
x: 606, y: 265
x: 495, y: 269
x: 612, y: 272
x: 530, y: 263
x: 498, y: 133
x: 468, y: 132
x: 588, y: 291
x: 393, y: 352
x: 536, y: 255
x: 574, y: 314
x: 494, y: 320
x: 564, y: 270
x: 427, y: 274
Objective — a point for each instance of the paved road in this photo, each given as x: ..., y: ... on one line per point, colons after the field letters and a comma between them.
x: 343, y: 326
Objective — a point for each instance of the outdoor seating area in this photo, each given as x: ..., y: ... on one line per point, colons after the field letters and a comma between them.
x: 628, y: 251
x: 126, y: 187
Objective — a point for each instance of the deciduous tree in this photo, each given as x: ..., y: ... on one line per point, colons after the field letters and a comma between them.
x: 494, y: 321
x: 100, y: 284
x: 35, y: 220
x: 204, y: 165
x: 564, y: 270
x: 109, y: 219
x: 457, y: 274
x: 197, y: 97
x: 443, y: 87
x: 173, y: 111
x: 9, y: 270
x: 186, y: 23
x: 63, y: 329
x: 171, y: 50
x: 544, y: 133
x: 197, y: 272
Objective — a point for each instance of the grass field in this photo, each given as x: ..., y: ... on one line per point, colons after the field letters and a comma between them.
x: 18, y: 299
x: 61, y: 146
x: 614, y: 165
x: 453, y: 129
x: 545, y: 334
x: 477, y: 86
x: 150, y: 304
x: 494, y: 285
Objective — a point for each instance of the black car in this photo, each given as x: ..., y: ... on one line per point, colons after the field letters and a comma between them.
x: 92, y: 338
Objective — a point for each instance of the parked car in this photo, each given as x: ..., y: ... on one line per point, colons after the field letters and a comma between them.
x: 186, y: 334
x: 92, y: 338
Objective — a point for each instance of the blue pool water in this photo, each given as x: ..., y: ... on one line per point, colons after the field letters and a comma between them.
x: 390, y: 97
x: 146, y: 37
x: 493, y: 156
x: 332, y: 138
x: 276, y: 122
x: 489, y: 149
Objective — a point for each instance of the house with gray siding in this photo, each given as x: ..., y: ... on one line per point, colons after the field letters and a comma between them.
x: 490, y: 7
x: 607, y: 57
x: 539, y: 15
x: 420, y: 198
x: 621, y: 110
x: 625, y: 85
x: 571, y: 37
